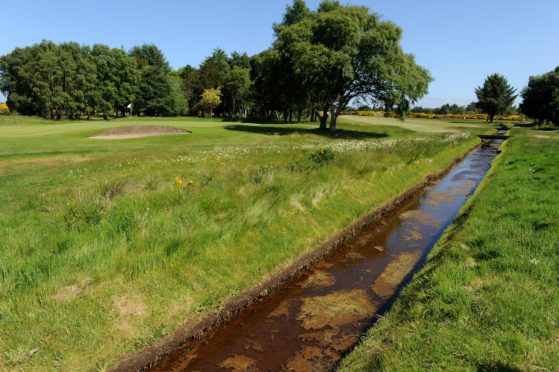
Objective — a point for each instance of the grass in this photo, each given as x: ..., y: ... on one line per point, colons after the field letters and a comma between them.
x: 487, y: 297
x: 107, y: 246
x: 417, y: 125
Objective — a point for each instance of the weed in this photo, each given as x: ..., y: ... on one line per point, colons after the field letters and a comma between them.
x: 322, y: 155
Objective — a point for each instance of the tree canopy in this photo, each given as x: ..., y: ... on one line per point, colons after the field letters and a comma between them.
x: 319, y: 62
x: 540, y: 99
x: 341, y: 53
x: 495, y: 96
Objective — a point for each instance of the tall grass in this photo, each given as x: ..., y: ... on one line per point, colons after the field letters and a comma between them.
x: 103, y: 252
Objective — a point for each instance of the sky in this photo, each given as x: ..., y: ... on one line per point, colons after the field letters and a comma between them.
x: 459, y: 42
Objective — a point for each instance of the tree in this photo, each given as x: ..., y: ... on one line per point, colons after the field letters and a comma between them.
x: 495, y: 96
x: 154, y: 96
x: 49, y: 80
x: 180, y: 102
x: 294, y: 13
x: 190, y: 77
x: 210, y: 99
x: 117, y: 79
x: 342, y: 53
x: 540, y: 99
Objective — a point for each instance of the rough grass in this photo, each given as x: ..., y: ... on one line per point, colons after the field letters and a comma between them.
x: 487, y: 298
x: 108, y: 246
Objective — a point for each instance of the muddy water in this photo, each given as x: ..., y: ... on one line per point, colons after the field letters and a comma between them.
x: 310, y: 323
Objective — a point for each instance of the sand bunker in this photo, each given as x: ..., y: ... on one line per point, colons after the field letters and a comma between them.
x: 137, y: 131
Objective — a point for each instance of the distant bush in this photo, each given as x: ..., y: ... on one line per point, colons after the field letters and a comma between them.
x: 4, y: 110
x: 423, y: 115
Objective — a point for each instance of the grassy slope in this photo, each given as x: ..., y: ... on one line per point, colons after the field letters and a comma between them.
x: 487, y: 298
x: 101, y: 254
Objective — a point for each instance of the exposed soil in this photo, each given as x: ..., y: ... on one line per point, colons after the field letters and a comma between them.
x: 137, y: 131
x: 307, y: 315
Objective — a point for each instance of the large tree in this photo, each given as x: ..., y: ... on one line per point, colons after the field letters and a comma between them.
x: 540, y: 99
x: 117, y: 79
x: 48, y: 80
x: 154, y: 96
x: 495, y: 96
x: 341, y: 53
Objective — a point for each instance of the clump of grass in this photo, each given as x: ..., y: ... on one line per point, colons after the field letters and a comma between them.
x: 109, y: 190
x: 151, y: 183
x: 322, y: 155
x: 80, y: 213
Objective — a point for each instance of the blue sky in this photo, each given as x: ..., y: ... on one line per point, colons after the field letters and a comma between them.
x: 460, y: 42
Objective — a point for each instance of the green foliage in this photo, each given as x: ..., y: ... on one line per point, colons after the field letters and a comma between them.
x: 321, y: 155
x: 294, y: 13
x: 210, y: 99
x: 149, y: 55
x: 154, y: 94
x: 540, y: 99
x: 495, y: 96
x: 341, y: 53
x: 58, y: 81
x: 117, y: 78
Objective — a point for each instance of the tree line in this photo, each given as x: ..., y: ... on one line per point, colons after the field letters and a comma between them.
x: 540, y: 99
x: 319, y: 62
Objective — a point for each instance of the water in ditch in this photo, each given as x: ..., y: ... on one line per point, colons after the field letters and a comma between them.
x: 309, y: 323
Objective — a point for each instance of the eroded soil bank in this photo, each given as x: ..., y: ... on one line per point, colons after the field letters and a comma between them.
x: 309, y: 323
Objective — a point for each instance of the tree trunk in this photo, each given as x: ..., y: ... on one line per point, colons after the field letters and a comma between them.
x: 333, y: 121
x: 324, y: 117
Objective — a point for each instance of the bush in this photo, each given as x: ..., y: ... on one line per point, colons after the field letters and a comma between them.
x: 4, y: 110
x: 322, y: 155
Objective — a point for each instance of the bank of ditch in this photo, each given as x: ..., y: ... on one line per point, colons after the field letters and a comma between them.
x: 487, y: 297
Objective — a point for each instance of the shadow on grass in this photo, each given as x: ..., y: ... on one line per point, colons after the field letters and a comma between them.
x: 284, y: 131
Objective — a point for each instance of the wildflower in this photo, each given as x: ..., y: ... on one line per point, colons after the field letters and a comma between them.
x: 534, y: 261
x: 179, y: 182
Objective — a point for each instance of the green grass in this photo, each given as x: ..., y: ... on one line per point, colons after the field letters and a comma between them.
x: 103, y: 254
x: 487, y: 298
x: 416, y: 125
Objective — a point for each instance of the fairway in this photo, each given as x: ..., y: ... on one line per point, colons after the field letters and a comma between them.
x: 108, y: 246
x: 416, y: 125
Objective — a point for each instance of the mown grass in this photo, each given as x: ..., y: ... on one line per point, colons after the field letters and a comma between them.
x: 107, y: 246
x: 487, y: 298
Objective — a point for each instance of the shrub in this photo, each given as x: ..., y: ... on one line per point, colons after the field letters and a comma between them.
x: 322, y: 155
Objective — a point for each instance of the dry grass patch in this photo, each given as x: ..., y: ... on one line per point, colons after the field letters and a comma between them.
x: 335, y: 309
x: 393, y: 274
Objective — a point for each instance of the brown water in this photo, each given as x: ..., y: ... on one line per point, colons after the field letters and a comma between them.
x: 310, y: 323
